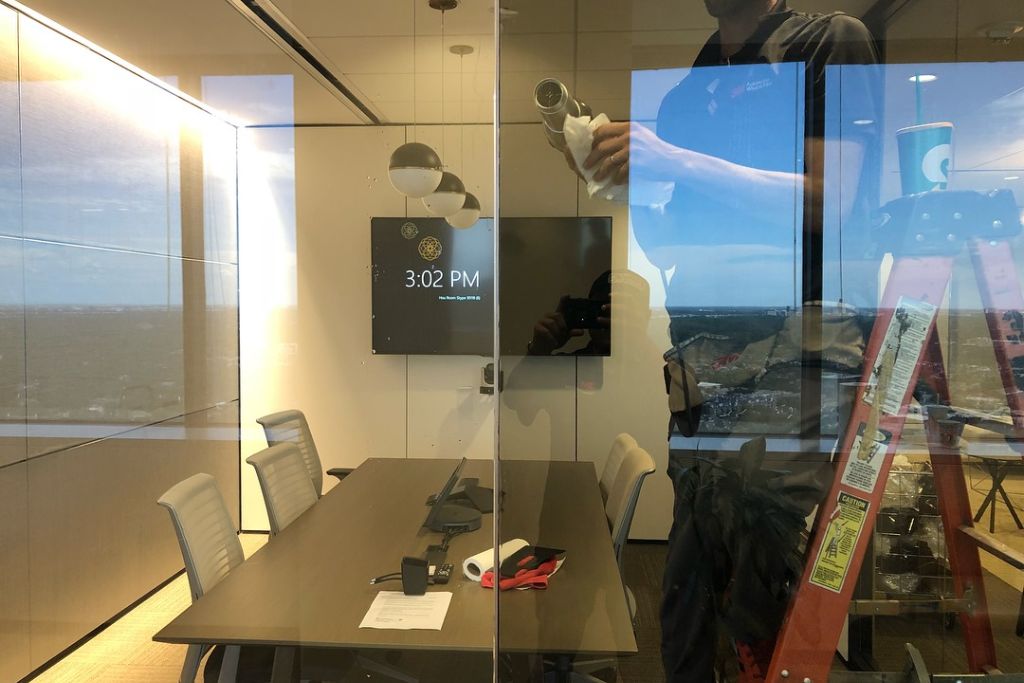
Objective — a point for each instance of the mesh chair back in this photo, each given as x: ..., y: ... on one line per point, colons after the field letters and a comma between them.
x: 290, y: 426
x: 287, y: 489
x: 206, y: 534
x: 620, y: 446
x: 625, y: 493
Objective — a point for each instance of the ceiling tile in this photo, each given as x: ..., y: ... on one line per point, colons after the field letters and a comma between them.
x: 368, y: 54
x: 537, y: 51
x: 603, y: 85
x: 316, y: 18
x: 644, y: 15
x: 605, y: 50
x: 335, y: 18
x: 538, y: 16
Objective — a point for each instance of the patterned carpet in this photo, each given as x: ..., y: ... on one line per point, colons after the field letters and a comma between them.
x: 124, y: 652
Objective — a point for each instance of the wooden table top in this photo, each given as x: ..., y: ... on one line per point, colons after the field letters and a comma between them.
x: 309, y: 586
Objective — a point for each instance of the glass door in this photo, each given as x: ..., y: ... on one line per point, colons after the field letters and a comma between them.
x: 703, y: 215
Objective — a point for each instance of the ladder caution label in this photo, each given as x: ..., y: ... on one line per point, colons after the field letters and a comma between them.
x: 900, y: 352
x: 837, y: 547
x: 866, y: 458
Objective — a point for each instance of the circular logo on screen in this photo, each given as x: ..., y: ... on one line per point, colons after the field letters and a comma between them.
x: 409, y: 230
x: 429, y: 248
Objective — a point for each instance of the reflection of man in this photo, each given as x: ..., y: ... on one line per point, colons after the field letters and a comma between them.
x: 554, y: 330
x: 742, y: 141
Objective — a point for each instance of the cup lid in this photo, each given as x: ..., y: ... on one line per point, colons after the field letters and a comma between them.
x: 924, y: 126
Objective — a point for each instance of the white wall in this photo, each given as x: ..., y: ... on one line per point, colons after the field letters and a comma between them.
x: 306, y: 318
x: 305, y: 298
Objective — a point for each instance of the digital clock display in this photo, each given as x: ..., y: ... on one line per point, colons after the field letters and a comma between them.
x: 435, y: 278
x: 433, y: 287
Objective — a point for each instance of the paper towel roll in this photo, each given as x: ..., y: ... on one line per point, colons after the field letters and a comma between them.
x: 474, y: 567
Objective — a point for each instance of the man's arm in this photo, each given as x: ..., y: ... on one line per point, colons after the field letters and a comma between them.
x: 624, y: 148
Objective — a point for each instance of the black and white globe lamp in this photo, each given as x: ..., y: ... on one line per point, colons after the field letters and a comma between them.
x: 467, y: 216
x: 447, y: 198
x: 415, y: 170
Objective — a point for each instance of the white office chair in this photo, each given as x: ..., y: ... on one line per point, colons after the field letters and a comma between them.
x: 284, y: 480
x: 290, y: 426
x: 622, y: 444
x: 288, y: 492
x: 624, y: 494
x: 210, y: 548
x: 619, y: 508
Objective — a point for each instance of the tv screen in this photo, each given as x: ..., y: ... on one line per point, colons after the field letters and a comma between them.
x: 432, y: 285
x: 548, y: 264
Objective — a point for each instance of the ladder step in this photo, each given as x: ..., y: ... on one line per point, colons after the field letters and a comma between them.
x: 991, y: 545
x: 898, y: 607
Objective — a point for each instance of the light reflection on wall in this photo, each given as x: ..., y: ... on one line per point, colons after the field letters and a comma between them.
x: 268, y: 281
x: 268, y: 292
x: 130, y: 256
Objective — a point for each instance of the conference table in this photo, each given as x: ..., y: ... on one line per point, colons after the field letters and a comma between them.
x: 309, y: 586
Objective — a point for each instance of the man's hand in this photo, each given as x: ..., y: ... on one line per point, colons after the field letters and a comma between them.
x: 551, y: 332
x: 619, y: 146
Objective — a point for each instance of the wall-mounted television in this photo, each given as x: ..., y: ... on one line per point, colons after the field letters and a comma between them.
x: 432, y: 285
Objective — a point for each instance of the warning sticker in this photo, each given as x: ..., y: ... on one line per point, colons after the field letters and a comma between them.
x: 836, y: 551
x: 866, y: 458
x: 901, y: 349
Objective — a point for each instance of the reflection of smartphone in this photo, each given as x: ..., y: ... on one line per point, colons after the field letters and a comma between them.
x: 582, y: 314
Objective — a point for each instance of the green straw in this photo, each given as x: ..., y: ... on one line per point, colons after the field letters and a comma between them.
x: 917, y: 97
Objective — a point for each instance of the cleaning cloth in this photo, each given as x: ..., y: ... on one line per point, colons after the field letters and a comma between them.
x: 647, y: 192
x: 579, y: 137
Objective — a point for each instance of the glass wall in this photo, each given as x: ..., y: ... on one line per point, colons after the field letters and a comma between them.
x: 120, y: 331
x: 748, y: 228
x: 697, y: 355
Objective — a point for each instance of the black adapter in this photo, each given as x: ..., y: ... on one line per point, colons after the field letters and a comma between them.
x: 414, y: 575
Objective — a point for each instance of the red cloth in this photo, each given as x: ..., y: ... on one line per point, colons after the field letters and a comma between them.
x: 524, y: 578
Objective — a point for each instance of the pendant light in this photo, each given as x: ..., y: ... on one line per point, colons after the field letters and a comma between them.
x: 449, y: 196
x: 415, y: 169
x: 467, y: 216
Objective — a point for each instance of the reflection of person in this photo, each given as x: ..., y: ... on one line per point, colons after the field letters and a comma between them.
x: 741, y: 141
x: 552, y: 331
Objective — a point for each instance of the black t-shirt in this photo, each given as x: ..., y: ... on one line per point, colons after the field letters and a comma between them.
x: 757, y: 109
x: 816, y: 41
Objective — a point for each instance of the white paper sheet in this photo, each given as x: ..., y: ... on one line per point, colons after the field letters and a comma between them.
x: 396, y: 610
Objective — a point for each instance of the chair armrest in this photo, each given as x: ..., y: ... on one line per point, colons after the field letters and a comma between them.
x: 340, y: 472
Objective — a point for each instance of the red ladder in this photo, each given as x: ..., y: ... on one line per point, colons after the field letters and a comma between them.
x: 928, y: 230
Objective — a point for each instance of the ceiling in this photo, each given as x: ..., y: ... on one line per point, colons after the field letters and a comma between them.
x: 391, y: 55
